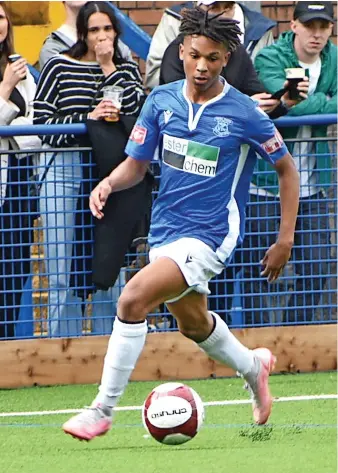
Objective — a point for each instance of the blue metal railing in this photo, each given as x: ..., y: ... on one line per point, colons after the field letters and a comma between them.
x: 249, y: 303
x: 132, y: 35
x: 80, y: 129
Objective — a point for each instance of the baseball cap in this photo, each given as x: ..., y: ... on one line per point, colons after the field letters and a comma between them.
x: 307, y: 11
x: 207, y: 2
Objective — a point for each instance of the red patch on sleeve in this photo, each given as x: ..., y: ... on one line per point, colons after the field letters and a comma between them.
x: 273, y: 144
x: 138, y: 135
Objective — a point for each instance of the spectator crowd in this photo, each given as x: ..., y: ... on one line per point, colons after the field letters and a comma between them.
x: 84, y: 61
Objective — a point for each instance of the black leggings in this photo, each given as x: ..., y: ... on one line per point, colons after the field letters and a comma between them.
x: 16, y: 236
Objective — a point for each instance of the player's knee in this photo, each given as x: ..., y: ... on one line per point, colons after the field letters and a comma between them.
x: 130, y: 306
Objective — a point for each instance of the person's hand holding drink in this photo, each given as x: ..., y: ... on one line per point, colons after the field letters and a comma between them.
x: 296, y: 86
x: 294, y: 76
x: 109, y: 108
x: 113, y: 94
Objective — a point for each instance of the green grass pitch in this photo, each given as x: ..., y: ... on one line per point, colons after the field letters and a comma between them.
x: 300, y: 437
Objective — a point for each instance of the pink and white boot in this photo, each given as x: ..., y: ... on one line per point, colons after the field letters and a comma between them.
x: 92, y: 422
x: 257, y: 383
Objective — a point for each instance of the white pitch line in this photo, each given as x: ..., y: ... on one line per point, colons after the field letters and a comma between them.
x: 138, y: 408
x: 276, y: 399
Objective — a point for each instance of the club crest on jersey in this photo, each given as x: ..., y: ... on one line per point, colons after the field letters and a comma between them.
x: 222, y: 126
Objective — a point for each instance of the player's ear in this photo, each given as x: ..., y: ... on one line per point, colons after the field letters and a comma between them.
x: 226, y: 58
x: 181, y: 51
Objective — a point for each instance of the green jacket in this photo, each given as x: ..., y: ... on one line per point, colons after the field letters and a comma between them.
x: 270, y: 64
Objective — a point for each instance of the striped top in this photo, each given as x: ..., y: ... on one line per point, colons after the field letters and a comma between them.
x: 67, y: 87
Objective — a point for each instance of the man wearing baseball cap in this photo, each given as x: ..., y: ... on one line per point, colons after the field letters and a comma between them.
x: 256, y: 29
x: 308, y: 11
x: 306, y: 48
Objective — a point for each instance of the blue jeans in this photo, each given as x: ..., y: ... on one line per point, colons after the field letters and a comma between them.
x: 58, y: 205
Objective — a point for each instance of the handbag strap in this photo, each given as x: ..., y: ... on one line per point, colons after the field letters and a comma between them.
x: 50, y: 162
x: 95, y: 96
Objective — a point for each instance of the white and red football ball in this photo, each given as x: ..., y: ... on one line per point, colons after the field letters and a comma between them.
x: 173, y: 413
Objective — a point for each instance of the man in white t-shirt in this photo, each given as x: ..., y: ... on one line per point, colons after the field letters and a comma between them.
x: 65, y: 37
x: 306, y: 46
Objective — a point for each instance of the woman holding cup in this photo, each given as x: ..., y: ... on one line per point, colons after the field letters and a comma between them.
x: 71, y: 90
x: 17, y: 89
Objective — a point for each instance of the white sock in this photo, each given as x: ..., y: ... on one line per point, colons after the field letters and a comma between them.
x: 223, y: 346
x: 125, y: 346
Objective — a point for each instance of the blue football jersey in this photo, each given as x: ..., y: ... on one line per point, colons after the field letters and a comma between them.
x: 206, y: 165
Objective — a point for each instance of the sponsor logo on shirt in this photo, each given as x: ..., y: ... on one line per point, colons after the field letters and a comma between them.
x: 190, y: 156
x: 138, y: 135
x: 222, y: 126
x: 273, y: 144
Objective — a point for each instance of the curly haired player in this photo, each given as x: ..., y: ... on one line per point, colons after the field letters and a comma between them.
x: 202, y: 126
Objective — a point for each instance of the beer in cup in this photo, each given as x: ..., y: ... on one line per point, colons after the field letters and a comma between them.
x: 115, y: 95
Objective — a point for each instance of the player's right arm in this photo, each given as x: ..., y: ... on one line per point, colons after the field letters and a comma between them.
x: 128, y: 174
x: 140, y: 150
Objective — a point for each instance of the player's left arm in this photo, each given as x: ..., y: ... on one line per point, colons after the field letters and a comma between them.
x: 279, y: 253
x: 265, y: 138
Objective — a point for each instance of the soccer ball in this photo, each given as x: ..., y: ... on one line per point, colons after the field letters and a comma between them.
x: 173, y: 413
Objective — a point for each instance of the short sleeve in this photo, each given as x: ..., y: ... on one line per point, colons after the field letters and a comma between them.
x: 264, y: 137
x: 144, y: 137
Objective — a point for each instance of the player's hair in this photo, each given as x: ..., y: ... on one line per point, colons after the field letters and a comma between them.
x: 196, y: 21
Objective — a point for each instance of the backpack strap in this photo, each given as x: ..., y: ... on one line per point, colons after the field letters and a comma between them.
x: 61, y: 38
